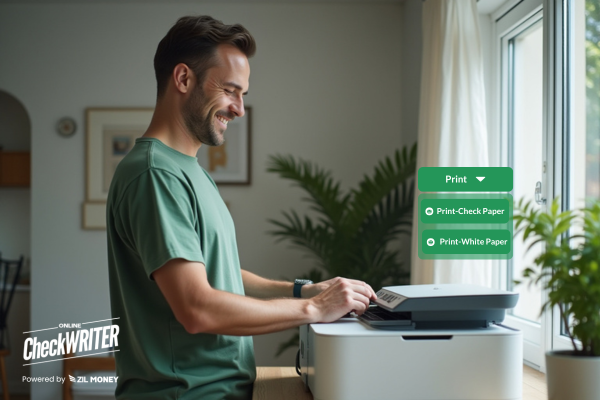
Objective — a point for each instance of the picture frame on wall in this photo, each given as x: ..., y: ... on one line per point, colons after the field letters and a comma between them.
x: 94, y: 215
x: 230, y: 163
x: 110, y: 135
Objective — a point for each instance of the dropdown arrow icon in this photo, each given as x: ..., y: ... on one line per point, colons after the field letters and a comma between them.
x: 480, y: 178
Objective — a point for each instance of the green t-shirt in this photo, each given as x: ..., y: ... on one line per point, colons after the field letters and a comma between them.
x: 162, y: 205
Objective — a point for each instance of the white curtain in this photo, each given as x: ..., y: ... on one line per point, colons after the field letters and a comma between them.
x: 452, y: 118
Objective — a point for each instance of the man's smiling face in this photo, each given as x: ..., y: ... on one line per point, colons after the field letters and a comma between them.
x: 219, y: 98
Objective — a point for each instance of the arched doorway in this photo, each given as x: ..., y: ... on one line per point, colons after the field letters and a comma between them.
x: 15, y: 224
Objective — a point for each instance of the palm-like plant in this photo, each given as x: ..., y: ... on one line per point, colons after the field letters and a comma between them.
x: 350, y: 234
x: 567, y: 267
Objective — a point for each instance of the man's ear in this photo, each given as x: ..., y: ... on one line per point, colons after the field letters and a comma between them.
x: 183, y: 78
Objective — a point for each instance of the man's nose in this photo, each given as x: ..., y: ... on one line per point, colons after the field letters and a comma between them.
x: 237, y: 107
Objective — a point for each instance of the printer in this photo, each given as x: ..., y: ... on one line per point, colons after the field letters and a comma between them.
x: 418, y: 342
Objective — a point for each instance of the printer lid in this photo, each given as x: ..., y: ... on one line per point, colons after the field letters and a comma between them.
x: 444, y: 297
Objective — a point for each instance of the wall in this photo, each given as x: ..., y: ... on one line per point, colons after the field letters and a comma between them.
x: 326, y: 84
x: 412, y: 46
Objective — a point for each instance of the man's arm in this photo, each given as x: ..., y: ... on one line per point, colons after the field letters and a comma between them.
x: 259, y: 287
x: 200, y: 308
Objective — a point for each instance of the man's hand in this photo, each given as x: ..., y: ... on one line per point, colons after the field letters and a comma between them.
x: 309, y: 291
x: 339, y: 296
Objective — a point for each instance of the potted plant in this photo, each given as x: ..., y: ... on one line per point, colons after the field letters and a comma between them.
x: 568, y: 269
x: 350, y: 234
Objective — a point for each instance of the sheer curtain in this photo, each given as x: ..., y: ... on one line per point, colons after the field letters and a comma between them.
x: 452, y: 118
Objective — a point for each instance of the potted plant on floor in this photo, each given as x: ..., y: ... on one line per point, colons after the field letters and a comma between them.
x: 568, y: 268
x: 350, y: 234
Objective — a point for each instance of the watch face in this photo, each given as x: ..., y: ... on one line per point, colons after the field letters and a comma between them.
x: 303, y: 281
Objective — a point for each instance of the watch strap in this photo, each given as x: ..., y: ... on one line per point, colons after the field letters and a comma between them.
x: 298, y: 283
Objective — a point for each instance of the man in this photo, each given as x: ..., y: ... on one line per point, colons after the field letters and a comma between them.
x: 186, y: 308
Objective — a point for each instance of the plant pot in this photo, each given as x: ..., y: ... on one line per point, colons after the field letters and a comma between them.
x: 572, y: 377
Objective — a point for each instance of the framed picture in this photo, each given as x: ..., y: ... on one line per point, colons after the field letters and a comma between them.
x: 94, y: 215
x: 229, y: 164
x: 110, y: 134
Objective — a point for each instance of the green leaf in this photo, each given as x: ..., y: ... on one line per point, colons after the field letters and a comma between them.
x: 351, y: 234
x: 372, y: 190
x: 324, y: 194
x: 567, y: 266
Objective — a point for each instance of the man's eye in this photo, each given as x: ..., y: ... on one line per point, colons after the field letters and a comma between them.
x: 228, y: 91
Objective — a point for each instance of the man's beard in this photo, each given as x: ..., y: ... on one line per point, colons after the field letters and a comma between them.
x: 200, y: 127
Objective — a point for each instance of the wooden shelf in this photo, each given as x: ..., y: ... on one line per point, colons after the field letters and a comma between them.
x: 15, y: 169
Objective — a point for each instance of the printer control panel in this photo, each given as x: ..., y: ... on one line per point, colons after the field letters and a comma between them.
x: 388, y: 299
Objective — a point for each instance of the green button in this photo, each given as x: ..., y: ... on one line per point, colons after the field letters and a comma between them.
x: 465, y: 179
x: 466, y: 241
x: 464, y: 211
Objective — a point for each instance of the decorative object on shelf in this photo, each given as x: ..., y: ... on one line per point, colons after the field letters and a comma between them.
x: 230, y: 163
x: 568, y: 268
x: 110, y: 134
x: 66, y: 127
x: 351, y: 233
x: 15, y: 169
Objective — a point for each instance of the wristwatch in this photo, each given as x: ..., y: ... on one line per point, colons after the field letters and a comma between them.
x: 298, y: 283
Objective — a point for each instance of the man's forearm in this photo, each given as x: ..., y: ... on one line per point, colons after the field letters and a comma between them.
x: 259, y: 287
x: 230, y: 314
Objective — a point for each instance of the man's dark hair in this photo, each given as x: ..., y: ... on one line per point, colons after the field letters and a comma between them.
x: 194, y: 41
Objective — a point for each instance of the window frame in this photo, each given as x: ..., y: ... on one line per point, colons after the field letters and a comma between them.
x: 508, y: 22
x: 563, y: 49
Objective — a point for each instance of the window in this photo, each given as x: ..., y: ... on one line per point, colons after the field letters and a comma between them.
x: 519, y: 40
x: 525, y: 150
x: 578, y: 48
x: 557, y: 145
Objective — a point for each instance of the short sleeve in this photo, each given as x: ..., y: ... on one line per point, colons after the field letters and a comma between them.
x: 157, y: 217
